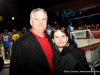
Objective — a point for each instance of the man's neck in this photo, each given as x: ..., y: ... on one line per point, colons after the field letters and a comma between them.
x: 39, y: 33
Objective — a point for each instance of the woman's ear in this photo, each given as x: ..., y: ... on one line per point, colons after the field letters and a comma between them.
x: 67, y: 37
x: 53, y: 40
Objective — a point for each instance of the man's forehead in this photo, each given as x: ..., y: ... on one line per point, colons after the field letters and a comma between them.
x: 36, y: 14
x: 39, y: 12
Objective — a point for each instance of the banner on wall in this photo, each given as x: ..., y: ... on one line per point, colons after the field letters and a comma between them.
x: 95, y: 32
x: 80, y: 34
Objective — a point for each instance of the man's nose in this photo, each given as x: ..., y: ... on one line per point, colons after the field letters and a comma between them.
x: 41, y: 21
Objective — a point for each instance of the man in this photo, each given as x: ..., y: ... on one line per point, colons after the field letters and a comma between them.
x: 6, y: 39
x: 33, y: 52
x: 70, y: 29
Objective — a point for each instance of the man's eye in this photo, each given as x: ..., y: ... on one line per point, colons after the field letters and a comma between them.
x: 36, y: 19
x: 44, y: 19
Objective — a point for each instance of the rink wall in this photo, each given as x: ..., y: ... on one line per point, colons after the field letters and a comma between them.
x: 83, y: 34
x: 95, y: 32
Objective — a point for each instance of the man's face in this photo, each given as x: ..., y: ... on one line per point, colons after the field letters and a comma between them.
x: 39, y: 22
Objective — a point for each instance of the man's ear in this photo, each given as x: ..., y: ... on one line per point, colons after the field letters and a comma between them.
x: 31, y: 22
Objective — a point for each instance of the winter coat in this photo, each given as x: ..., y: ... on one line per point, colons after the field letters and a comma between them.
x: 71, y: 61
x: 78, y: 53
x: 28, y: 57
x: 66, y: 63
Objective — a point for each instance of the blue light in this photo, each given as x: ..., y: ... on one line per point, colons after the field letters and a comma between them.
x: 64, y: 11
x: 79, y: 12
x: 84, y: 16
x: 89, y: 7
x: 70, y: 10
x: 74, y: 14
x: 57, y: 13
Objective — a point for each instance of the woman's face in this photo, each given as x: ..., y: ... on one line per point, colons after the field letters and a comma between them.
x: 60, y: 39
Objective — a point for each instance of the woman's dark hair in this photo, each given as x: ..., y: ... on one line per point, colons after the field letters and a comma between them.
x: 62, y: 29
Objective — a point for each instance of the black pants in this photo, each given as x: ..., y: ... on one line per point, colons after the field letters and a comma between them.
x: 7, y: 52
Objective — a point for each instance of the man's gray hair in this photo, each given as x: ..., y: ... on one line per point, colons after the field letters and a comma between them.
x: 35, y: 10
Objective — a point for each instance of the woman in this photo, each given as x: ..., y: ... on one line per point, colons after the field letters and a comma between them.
x: 70, y: 59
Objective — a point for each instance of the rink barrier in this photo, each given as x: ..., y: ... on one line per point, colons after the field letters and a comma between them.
x: 84, y: 34
x: 95, y: 51
x: 95, y: 32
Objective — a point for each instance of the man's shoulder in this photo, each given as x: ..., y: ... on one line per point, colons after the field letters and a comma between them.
x: 25, y: 36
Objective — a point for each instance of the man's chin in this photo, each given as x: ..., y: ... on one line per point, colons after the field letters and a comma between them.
x: 41, y: 30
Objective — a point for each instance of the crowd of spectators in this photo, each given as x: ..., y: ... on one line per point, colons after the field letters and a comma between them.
x: 85, y: 27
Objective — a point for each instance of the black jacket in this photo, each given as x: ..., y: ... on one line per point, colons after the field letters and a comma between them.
x: 28, y: 57
x: 66, y: 63
x: 71, y: 42
x: 71, y: 61
x: 78, y: 53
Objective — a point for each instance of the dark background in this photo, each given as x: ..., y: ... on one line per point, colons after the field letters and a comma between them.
x: 20, y: 9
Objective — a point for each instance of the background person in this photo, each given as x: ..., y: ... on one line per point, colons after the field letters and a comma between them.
x: 6, y: 39
x: 48, y: 30
x: 70, y: 29
x: 23, y: 31
x: 15, y: 35
x: 33, y: 53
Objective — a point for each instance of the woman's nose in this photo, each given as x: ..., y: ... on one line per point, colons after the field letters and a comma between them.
x: 60, y: 39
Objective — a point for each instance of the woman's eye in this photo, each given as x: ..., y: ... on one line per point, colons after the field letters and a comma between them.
x: 63, y: 36
x: 56, y: 37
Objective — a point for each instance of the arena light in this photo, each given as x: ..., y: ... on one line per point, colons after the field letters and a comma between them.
x: 64, y: 11
x: 1, y: 18
x: 89, y: 7
x: 57, y: 13
x: 79, y: 12
x: 13, y: 18
x: 84, y: 16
